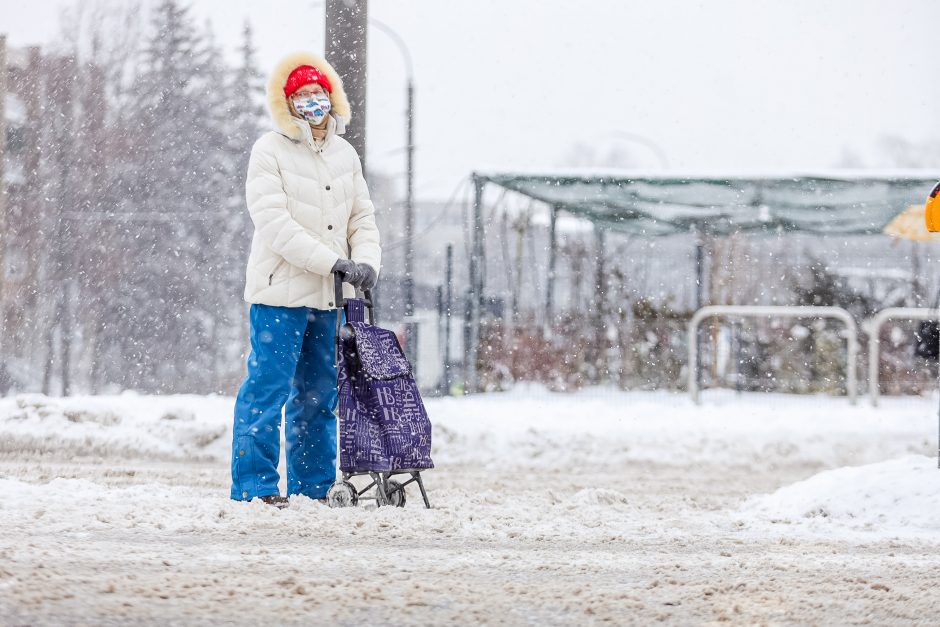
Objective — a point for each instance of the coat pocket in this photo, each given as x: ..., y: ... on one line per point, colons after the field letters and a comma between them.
x: 276, y: 268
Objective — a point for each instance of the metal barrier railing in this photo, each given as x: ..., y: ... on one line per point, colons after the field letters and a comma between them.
x: 760, y: 311
x: 873, y: 328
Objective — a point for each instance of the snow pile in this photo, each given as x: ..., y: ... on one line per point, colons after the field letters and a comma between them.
x: 529, y: 427
x: 129, y: 425
x: 900, y: 497
x: 535, y: 428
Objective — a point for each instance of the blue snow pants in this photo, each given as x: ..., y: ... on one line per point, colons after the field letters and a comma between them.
x: 291, y: 361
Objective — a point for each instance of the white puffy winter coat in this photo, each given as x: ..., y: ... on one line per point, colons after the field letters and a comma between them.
x: 309, y: 204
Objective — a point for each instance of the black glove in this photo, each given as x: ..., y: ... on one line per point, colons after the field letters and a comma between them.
x: 348, y: 271
x: 360, y: 275
x: 369, y: 277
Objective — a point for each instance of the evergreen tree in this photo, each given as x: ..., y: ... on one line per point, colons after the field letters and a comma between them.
x: 138, y: 225
x: 245, y: 114
x: 177, y: 134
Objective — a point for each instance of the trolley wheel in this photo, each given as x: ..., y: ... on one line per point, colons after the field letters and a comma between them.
x: 342, y: 494
x: 396, y: 493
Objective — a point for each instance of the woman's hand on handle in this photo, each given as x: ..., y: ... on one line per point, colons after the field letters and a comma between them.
x: 369, y: 276
x: 362, y: 276
x: 348, y: 271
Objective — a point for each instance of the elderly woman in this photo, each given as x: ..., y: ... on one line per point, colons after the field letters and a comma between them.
x: 312, y: 216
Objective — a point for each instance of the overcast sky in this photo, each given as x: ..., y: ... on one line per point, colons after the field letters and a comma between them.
x: 717, y: 84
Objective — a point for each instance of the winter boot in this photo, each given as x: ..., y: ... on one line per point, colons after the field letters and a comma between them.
x: 276, y: 500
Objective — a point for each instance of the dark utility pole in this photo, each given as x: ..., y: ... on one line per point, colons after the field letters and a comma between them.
x: 346, y: 50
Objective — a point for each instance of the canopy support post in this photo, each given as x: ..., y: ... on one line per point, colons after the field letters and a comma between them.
x: 477, y: 266
x: 600, y: 301
x: 552, y: 259
x: 699, y: 300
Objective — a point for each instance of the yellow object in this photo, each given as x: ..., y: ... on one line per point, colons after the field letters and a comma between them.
x: 932, y: 210
x: 910, y: 224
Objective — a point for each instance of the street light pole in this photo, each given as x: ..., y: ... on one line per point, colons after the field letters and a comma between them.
x: 411, y: 328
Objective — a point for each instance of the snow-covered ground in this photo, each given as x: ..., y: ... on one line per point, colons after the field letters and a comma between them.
x: 593, y: 507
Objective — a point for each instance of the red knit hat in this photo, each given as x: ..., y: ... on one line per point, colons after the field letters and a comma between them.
x: 302, y: 76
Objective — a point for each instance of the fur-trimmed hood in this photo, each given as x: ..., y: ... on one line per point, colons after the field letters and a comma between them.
x: 277, y: 102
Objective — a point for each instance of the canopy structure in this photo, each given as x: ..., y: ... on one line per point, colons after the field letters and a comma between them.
x: 655, y: 204
x: 849, y: 202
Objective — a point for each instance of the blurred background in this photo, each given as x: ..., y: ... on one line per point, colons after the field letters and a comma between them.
x: 559, y: 188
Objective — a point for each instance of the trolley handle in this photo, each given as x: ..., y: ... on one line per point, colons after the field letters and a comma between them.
x: 341, y: 302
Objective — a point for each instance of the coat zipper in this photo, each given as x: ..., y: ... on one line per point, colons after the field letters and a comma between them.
x: 271, y: 276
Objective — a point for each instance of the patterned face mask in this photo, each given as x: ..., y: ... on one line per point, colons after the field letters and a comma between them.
x: 313, y: 108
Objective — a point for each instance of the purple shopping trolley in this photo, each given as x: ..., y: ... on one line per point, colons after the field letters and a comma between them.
x: 384, y: 430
